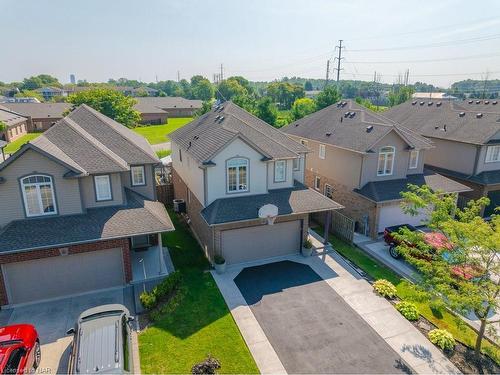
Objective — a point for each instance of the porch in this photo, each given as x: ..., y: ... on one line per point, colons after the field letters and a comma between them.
x: 149, y: 259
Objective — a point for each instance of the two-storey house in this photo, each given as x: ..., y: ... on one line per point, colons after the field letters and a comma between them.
x: 238, y: 175
x: 467, y: 139
x: 364, y: 161
x: 78, y: 211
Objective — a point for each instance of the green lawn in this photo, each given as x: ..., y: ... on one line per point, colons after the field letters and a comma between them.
x: 158, y: 133
x: 200, y: 325
x: 443, y: 320
x: 16, y: 145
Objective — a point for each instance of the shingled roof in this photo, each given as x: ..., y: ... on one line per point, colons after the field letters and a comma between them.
x: 351, y: 126
x: 161, y: 104
x: 468, y: 121
x: 208, y: 134
x: 9, y: 117
x: 138, y: 216
x: 39, y: 110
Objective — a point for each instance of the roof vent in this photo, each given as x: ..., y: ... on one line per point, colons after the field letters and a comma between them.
x: 471, y: 101
x: 352, y: 114
x: 430, y: 103
x: 494, y: 102
x: 438, y: 104
x: 436, y: 127
x: 414, y: 102
x: 221, y: 119
x: 479, y: 115
x: 486, y: 102
x: 347, y: 114
x: 478, y: 101
x: 369, y: 128
x: 297, y: 124
x: 339, y: 104
x: 328, y: 134
x: 217, y: 117
x: 344, y: 104
x: 422, y: 103
x: 444, y: 127
x: 221, y: 108
x: 461, y: 114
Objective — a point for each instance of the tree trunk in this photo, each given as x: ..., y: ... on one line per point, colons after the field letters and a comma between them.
x: 479, y: 340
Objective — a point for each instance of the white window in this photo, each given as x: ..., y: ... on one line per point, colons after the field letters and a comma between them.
x: 280, y: 171
x: 137, y: 175
x: 237, y: 175
x: 322, y: 151
x: 413, y: 159
x: 38, y: 195
x: 317, y: 182
x: 493, y: 154
x: 385, y: 161
x: 296, y: 164
x: 102, y: 188
x: 328, y: 191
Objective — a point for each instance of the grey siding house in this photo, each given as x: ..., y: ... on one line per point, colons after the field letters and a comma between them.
x: 364, y: 161
x: 76, y: 203
x: 466, y: 135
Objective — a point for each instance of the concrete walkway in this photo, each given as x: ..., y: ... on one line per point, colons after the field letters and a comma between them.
x: 413, y: 347
x: 161, y: 146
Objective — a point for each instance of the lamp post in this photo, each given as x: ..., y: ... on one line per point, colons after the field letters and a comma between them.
x: 145, y: 276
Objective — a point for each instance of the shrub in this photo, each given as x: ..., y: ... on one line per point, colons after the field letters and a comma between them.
x: 408, y: 310
x: 442, y: 338
x: 208, y: 366
x: 385, y: 288
x: 151, y: 299
x: 219, y: 259
x: 308, y: 244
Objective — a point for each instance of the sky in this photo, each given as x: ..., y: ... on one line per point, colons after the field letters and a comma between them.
x: 440, y: 42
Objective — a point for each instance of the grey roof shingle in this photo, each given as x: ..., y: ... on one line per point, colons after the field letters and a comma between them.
x: 296, y: 200
x: 161, y: 104
x: 389, y: 190
x: 351, y: 126
x: 9, y: 117
x: 483, y: 178
x: 208, y: 134
x: 138, y: 216
x: 430, y: 120
x: 39, y: 110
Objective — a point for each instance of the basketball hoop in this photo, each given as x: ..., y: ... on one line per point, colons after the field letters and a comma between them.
x: 269, y: 212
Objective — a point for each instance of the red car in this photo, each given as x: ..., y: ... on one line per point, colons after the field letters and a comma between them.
x: 19, y: 349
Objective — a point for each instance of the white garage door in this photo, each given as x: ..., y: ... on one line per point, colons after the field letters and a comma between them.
x: 260, y: 242
x: 63, y: 275
x: 394, y: 215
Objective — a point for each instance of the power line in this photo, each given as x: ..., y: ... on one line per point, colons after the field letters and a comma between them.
x: 339, y: 59
x: 428, y: 60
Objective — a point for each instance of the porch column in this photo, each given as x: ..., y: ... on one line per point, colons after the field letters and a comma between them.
x: 328, y: 221
x: 160, y: 253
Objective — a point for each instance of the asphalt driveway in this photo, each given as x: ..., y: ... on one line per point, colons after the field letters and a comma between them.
x: 311, y: 328
x: 53, y: 318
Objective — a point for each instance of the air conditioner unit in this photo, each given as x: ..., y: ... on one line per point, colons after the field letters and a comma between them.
x: 179, y: 206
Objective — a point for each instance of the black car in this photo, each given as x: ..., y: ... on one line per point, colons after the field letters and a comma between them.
x: 102, y: 342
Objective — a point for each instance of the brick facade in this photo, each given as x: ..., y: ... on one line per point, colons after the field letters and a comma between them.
x: 356, y: 207
x: 122, y: 243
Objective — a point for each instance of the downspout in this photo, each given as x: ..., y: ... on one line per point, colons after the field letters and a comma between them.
x: 476, y: 160
x: 361, y: 171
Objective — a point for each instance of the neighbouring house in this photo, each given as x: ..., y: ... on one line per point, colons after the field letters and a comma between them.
x: 466, y: 135
x: 237, y: 175
x: 137, y: 91
x: 433, y: 96
x: 41, y: 116
x: 78, y: 211
x: 26, y: 99
x: 157, y: 109
x: 364, y: 161
x: 50, y: 93
x: 16, y: 125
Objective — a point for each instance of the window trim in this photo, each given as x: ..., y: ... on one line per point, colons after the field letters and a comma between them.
x: 23, y: 194
x: 317, y: 183
x: 324, y: 190
x: 132, y: 175
x: 237, y: 176
x: 322, y: 151
x: 97, y: 199
x: 284, y: 175
x: 386, y: 153
x: 411, y: 166
x: 489, y: 154
x: 298, y: 164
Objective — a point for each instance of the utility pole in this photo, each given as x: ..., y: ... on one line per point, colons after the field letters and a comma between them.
x: 327, y: 71
x: 339, y: 59
x: 178, y: 76
x: 221, y: 73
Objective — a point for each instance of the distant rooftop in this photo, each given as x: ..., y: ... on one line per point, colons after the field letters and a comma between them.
x: 433, y: 95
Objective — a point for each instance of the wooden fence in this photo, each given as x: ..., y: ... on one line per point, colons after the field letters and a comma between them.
x: 165, y: 194
x: 340, y: 225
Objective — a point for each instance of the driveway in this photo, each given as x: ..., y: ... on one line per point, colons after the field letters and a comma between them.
x: 310, y: 326
x: 53, y: 318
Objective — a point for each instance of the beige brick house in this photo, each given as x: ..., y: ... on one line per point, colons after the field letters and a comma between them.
x: 232, y: 170
x: 364, y: 161
x: 15, y: 125
x: 77, y: 204
x: 466, y: 136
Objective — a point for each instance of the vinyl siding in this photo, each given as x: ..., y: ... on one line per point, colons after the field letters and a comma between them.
x: 147, y: 190
x: 11, y: 203
x: 88, y: 192
x: 482, y: 165
x: 455, y: 156
x: 188, y: 169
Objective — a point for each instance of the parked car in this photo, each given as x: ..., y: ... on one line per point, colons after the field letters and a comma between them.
x: 101, y: 341
x: 392, y: 241
x: 20, y: 351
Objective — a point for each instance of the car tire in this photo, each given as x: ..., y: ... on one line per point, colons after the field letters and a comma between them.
x: 394, y: 252
x: 37, y: 354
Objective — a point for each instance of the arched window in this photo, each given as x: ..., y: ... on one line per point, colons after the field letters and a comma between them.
x: 38, y: 195
x: 385, y: 161
x: 237, y: 175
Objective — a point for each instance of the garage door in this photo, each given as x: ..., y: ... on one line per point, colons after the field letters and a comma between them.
x: 63, y: 275
x: 260, y: 242
x: 394, y: 215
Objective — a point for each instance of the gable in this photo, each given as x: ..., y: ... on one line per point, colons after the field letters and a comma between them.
x: 392, y: 138
x: 238, y: 147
